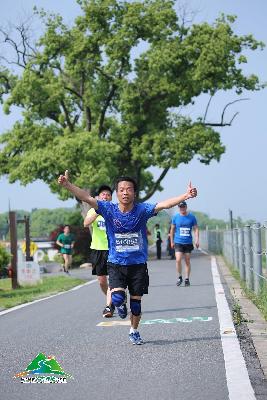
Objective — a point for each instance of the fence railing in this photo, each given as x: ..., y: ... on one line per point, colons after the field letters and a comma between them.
x: 244, y: 248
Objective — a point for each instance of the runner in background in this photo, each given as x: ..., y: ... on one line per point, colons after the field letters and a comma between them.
x: 65, y: 241
x: 158, y: 238
x: 99, y: 248
x: 182, y: 240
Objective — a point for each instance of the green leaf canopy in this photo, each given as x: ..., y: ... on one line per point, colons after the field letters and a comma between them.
x: 102, y: 98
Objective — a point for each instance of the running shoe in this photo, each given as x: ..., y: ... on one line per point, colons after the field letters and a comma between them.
x: 135, y: 338
x: 122, y: 311
x: 108, y: 311
x: 180, y: 281
x: 186, y: 282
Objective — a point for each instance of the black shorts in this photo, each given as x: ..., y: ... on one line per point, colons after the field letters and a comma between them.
x: 183, y: 248
x: 135, y: 277
x: 99, y: 259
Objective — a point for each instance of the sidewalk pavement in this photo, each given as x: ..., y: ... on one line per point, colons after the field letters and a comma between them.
x: 256, y: 323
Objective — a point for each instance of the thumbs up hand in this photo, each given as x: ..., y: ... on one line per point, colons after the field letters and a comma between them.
x: 191, y: 191
x: 63, y: 180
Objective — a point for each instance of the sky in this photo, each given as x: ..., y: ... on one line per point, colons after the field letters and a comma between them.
x: 238, y: 181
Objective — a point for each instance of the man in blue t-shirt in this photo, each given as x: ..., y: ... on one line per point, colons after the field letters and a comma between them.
x: 127, y: 237
x: 181, y: 239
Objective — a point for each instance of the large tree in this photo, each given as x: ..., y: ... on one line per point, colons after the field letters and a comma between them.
x: 103, y: 97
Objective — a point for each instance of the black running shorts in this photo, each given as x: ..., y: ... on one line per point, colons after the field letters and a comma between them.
x: 99, y: 259
x: 135, y: 277
x: 183, y: 248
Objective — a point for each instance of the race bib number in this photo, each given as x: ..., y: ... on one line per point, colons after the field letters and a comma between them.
x: 184, y: 231
x: 127, y: 242
x: 101, y: 225
x: 67, y: 246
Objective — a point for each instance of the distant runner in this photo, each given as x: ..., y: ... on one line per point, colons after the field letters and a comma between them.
x: 127, y: 235
x: 65, y: 241
x: 182, y: 241
x: 158, y: 239
x: 99, y: 248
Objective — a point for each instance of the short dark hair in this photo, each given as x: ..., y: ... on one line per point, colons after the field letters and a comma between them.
x: 126, y: 179
x: 102, y: 188
x: 66, y: 226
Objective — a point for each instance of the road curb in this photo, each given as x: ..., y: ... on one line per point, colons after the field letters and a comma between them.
x: 257, y: 325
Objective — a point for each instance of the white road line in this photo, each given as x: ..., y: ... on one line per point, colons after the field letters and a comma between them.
x: 237, y: 378
x: 204, y: 252
x: 46, y: 298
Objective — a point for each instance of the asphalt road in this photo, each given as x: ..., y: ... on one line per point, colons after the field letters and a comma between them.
x: 180, y: 360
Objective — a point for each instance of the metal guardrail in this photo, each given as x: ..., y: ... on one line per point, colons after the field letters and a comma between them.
x: 244, y: 248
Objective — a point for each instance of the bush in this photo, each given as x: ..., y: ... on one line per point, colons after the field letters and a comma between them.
x: 5, y: 258
x: 58, y: 258
x: 45, y: 258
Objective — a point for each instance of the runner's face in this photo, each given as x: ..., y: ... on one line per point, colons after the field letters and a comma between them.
x: 66, y: 230
x: 105, y: 195
x: 183, y: 210
x: 125, y: 192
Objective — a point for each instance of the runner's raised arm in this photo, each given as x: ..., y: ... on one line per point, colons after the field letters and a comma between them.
x: 81, y: 194
x: 162, y: 205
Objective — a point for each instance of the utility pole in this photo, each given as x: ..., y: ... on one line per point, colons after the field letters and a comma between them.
x: 231, y: 219
x: 27, y: 238
x: 13, y: 248
x: 232, y: 235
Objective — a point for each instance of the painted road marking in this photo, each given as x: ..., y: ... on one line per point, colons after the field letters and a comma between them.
x: 238, y: 383
x: 115, y: 323
x: 156, y: 321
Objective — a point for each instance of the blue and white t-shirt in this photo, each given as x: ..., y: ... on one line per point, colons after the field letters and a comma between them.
x: 183, y: 228
x: 126, y: 232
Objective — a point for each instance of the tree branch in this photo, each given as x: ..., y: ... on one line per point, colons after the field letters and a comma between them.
x: 69, y: 123
x: 207, y: 108
x: 222, y: 123
x: 21, y: 54
x: 156, y: 185
x: 106, y: 104
x: 88, y: 117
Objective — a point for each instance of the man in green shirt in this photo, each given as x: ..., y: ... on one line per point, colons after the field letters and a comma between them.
x: 65, y: 241
x: 99, y: 248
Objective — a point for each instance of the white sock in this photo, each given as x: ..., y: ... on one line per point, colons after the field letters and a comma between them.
x: 132, y: 330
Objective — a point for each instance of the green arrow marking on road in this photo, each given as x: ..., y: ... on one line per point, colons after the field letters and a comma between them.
x: 157, y: 321
x: 175, y: 320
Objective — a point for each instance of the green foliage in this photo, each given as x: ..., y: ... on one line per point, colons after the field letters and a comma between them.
x: 4, y: 260
x: 42, y: 221
x: 101, y: 97
x: 238, y: 316
x: 204, y: 221
x: 260, y: 299
x: 164, y: 220
x: 45, y: 258
x: 58, y: 259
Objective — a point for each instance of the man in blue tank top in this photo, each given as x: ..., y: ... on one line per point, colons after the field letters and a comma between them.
x: 182, y: 240
x: 127, y: 236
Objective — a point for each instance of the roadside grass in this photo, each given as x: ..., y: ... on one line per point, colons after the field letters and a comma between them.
x: 50, y: 285
x: 238, y: 316
x: 260, y: 300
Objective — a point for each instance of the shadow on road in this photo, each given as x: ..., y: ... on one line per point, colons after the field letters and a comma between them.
x: 177, y: 309
x: 163, y: 342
